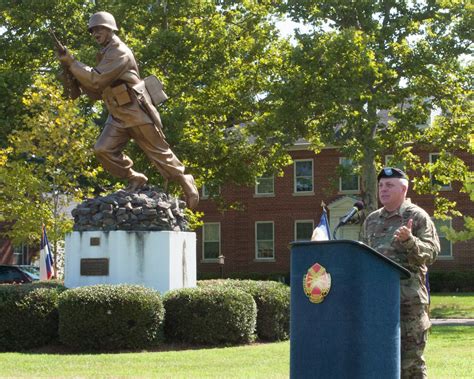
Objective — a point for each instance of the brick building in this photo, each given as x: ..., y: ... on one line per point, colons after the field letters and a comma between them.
x: 9, y: 254
x: 279, y: 210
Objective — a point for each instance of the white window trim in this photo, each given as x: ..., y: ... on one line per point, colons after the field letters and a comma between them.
x: 357, y: 191
x: 301, y: 222
x: 20, y: 253
x: 449, y: 257
x: 204, y: 195
x: 264, y: 259
x: 303, y: 193
x: 265, y: 194
x: 447, y: 187
x: 203, y: 258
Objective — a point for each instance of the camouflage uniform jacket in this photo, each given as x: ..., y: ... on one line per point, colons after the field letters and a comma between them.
x: 415, y: 254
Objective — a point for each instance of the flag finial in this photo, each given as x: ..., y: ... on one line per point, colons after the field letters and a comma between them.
x: 322, y: 232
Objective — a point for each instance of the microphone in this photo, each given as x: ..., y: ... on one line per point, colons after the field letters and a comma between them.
x: 358, y: 205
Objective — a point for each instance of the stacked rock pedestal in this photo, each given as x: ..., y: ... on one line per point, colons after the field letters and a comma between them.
x: 136, y: 238
x: 146, y: 210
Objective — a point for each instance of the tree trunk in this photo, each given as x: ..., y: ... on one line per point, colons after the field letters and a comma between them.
x: 369, y: 182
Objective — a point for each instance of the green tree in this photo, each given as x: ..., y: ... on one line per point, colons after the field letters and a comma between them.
x: 361, y: 58
x: 45, y: 165
x: 467, y: 232
x: 217, y: 60
x: 27, y: 50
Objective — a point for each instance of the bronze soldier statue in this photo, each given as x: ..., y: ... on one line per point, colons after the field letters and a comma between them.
x: 132, y: 114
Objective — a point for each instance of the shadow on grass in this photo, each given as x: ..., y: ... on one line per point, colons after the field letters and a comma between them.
x: 57, y: 348
x: 449, y: 311
x: 451, y: 294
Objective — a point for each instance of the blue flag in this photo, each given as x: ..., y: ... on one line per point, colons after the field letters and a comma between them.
x: 322, y: 232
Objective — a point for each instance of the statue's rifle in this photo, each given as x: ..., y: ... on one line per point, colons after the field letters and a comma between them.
x: 70, y: 84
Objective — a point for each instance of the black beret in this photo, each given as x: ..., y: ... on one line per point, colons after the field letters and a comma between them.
x: 391, y: 172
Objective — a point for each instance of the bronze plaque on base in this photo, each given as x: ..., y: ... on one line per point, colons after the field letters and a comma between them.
x: 95, y: 241
x: 95, y: 267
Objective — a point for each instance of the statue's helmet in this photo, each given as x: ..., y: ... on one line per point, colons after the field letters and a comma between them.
x: 102, y: 19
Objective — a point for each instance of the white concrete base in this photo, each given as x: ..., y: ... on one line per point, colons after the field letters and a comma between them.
x: 159, y: 260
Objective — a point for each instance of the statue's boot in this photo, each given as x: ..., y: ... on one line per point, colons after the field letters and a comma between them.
x: 190, y: 190
x: 135, y: 182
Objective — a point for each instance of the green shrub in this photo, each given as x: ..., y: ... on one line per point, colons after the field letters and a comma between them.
x: 273, y: 305
x: 210, y: 316
x: 110, y: 317
x: 283, y: 277
x: 28, y: 315
x: 53, y: 283
x: 451, y: 281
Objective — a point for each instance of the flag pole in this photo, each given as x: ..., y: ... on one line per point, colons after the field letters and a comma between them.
x: 322, y: 232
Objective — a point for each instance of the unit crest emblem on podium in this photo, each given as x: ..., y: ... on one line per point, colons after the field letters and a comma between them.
x: 316, y: 283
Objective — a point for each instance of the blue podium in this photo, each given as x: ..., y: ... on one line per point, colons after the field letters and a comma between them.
x: 345, y: 311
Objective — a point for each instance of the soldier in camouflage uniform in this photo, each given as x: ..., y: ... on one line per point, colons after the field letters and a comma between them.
x: 405, y: 233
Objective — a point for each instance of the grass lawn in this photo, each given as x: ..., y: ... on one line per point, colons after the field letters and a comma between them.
x: 452, y: 305
x: 449, y: 355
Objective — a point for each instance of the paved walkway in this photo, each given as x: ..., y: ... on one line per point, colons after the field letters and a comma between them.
x: 452, y: 321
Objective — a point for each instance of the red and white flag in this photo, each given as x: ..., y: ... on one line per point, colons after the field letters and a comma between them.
x: 46, y: 258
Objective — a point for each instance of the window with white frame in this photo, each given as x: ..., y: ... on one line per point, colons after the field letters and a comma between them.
x: 348, y: 181
x: 264, y: 240
x: 265, y: 185
x: 303, y: 230
x: 303, y: 170
x: 20, y: 254
x: 446, y: 245
x: 205, y: 191
x: 211, y: 240
x: 444, y: 186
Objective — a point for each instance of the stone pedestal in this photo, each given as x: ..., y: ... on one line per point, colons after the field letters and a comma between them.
x: 162, y: 260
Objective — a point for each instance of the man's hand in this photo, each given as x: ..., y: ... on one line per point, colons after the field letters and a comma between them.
x: 403, y: 233
x: 66, y: 58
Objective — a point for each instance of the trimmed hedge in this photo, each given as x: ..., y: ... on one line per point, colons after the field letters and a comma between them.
x: 451, y: 281
x: 210, y: 316
x: 28, y: 315
x: 282, y: 277
x: 273, y: 305
x: 110, y: 317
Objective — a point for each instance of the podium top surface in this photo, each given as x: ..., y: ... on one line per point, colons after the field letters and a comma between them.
x: 403, y: 271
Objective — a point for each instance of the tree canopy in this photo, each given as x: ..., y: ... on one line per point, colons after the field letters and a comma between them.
x: 361, y: 59
x: 46, y: 165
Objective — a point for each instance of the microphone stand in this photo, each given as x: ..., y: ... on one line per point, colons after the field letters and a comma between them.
x: 334, y: 232
x: 339, y: 225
